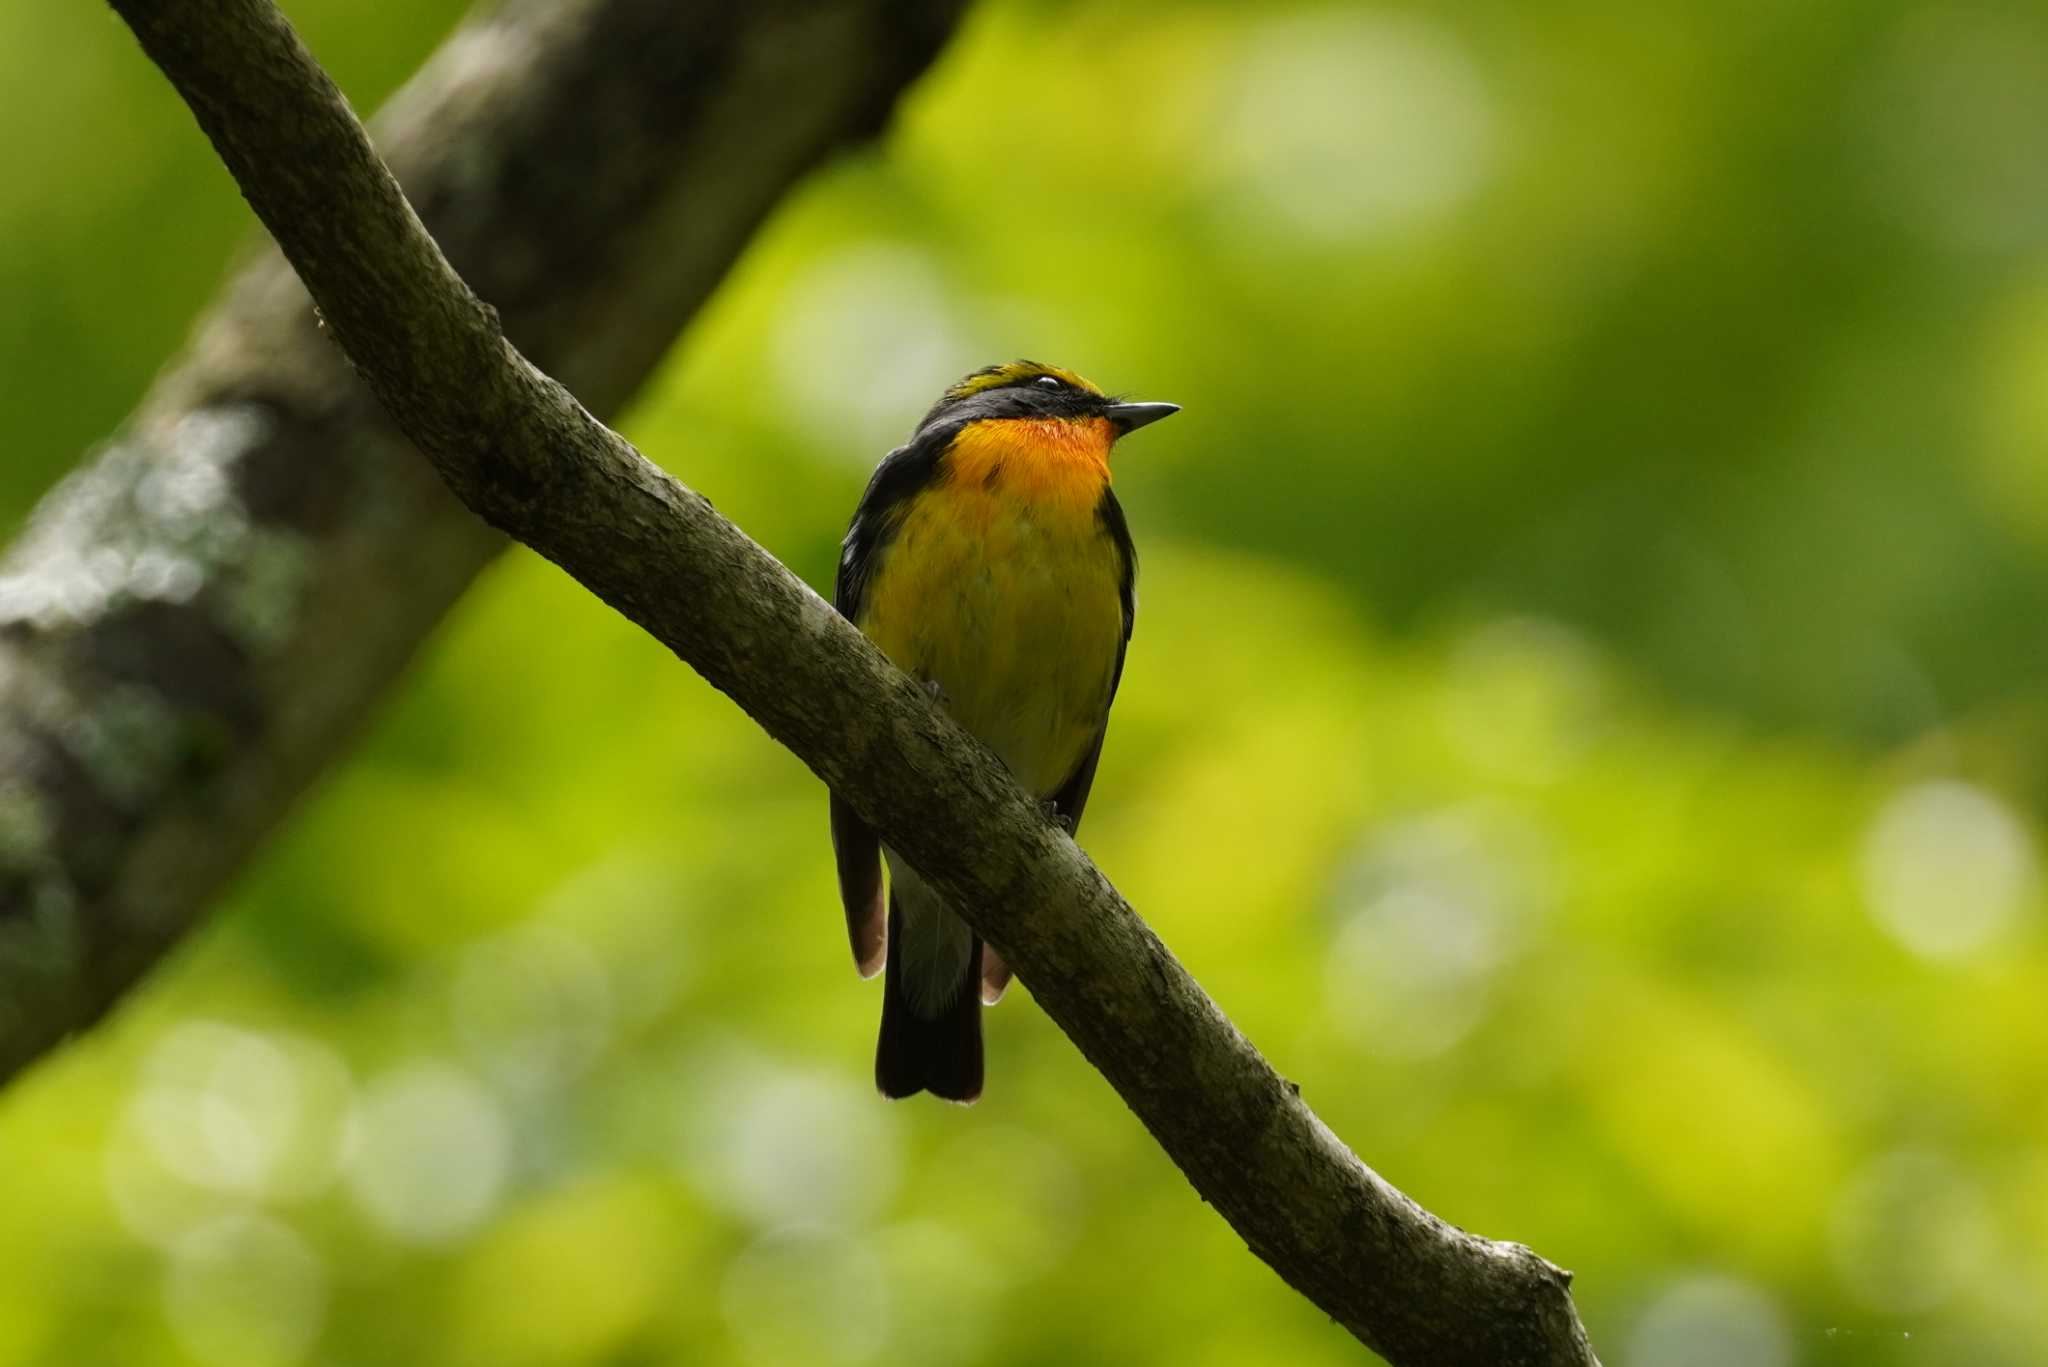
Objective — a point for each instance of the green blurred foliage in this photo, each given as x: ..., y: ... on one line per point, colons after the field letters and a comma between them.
x: 1583, y: 723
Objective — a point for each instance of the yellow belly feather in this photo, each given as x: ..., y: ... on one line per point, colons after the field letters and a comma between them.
x: 1001, y: 586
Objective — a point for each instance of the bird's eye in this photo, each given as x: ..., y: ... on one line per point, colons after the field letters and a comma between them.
x: 1049, y: 382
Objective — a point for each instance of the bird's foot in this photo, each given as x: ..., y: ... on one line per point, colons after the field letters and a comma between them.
x: 1056, y: 816
x: 936, y: 693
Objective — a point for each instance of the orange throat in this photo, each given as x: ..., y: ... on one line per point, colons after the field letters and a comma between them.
x: 1040, y: 460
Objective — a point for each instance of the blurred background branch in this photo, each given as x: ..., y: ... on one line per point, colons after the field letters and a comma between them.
x: 197, y: 622
x: 524, y: 455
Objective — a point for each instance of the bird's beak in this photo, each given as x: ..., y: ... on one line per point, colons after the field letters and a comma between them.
x: 1129, y: 417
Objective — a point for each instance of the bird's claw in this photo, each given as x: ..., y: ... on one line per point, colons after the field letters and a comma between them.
x: 1052, y: 812
x: 935, y: 692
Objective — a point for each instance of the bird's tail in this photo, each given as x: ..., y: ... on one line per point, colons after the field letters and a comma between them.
x: 939, y: 1053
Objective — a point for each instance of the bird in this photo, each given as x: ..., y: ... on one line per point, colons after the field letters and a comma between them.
x: 990, y: 561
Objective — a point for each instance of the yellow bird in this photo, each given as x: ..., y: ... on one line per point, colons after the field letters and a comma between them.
x: 989, y: 560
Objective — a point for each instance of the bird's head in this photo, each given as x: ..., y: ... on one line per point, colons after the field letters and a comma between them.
x: 1034, y: 391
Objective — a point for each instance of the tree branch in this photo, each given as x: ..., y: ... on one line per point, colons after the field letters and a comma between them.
x: 199, y: 620
x: 520, y: 450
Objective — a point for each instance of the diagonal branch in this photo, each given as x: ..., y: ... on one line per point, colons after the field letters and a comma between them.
x: 521, y: 452
x: 197, y: 621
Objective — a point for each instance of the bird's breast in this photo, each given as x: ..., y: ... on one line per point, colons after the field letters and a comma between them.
x: 1001, y: 585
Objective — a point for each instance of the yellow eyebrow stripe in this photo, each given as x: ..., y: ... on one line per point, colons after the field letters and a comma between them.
x: 1011, y: 372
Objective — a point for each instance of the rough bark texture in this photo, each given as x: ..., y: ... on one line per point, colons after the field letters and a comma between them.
x: 519, y: 449
x: 197, y: 621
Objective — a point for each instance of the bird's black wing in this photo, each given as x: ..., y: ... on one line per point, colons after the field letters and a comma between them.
x: 856, y: 848
x: 1072, y: 798
x: 902, y: 473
